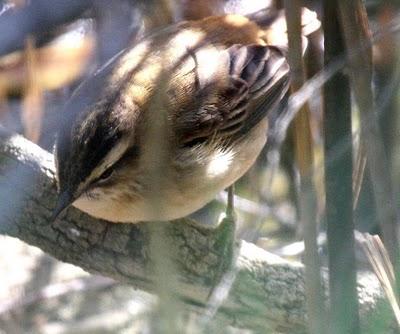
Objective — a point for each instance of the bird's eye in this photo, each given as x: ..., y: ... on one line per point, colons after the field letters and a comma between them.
x: 106, y: 174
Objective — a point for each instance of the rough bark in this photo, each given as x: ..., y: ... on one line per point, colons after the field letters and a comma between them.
x: 267, y: 294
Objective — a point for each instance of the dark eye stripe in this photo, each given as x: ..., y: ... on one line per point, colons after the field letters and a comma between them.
x: 131, y: 153
x: 103, y: 177
x: 106, y: 174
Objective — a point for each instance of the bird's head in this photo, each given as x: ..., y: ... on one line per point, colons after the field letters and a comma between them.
x: 96, y: 141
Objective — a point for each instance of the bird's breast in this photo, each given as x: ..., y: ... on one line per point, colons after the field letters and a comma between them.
x: 186, y: 185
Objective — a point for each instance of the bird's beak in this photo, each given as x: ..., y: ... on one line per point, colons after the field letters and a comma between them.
x: 65, y: 199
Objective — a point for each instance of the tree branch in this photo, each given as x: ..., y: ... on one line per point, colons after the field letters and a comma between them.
x: 267, y: 294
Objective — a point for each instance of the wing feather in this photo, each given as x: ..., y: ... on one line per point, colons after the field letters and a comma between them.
x: 250, y: 83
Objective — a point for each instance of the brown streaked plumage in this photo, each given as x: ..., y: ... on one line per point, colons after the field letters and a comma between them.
x: 176, y: 119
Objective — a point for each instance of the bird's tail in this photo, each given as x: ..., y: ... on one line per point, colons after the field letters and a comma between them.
x: 273, y: 23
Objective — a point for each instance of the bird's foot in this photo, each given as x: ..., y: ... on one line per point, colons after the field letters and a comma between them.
x: 225, y: 244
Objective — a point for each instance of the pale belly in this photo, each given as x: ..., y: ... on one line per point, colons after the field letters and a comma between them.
x: 182, y: 193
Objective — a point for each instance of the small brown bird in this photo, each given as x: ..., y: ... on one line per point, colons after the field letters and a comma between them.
x: 177, y: 118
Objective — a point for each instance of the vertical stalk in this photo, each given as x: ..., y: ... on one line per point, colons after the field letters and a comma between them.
x: 344, y: 317
x: 356, y: 32
x: 305, y: 161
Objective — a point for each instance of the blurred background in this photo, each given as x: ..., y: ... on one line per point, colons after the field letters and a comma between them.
x: 47, y: 48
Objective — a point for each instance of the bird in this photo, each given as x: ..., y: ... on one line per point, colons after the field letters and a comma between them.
x: 170, y: 121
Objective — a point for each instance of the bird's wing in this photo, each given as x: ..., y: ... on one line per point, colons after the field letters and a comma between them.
x: 243, y: 86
